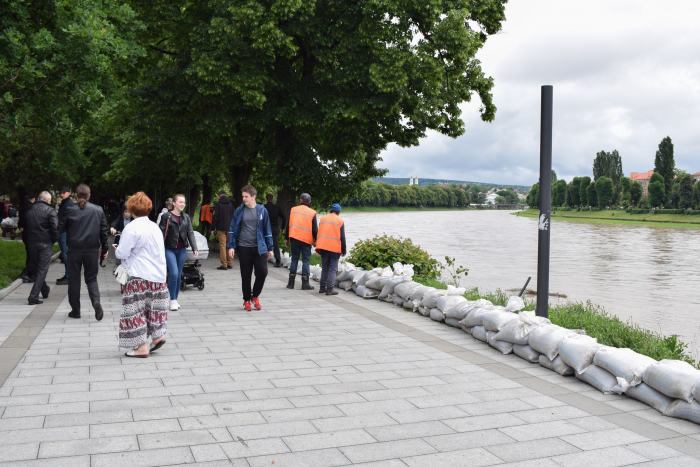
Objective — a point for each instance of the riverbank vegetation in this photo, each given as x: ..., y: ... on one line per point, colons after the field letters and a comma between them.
x: 661, y: 217
x: 13, y: 257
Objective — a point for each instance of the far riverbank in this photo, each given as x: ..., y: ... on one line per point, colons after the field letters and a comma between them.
x: 407, y: 208
x: 620, y: 217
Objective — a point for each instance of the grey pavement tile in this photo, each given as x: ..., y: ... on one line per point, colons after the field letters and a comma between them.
x: 542, y: 462
x: 175, y: 439
x: 77, y: 461
x: 18, y: 452
x: 542, y: 430
x: 422, y: 415
x: 357, y: 386
x: 550, y: 414
x: 210, y: 398
x: 410, y: 430
x: 400, y: 393
x: 359, y: 408
x: 129, y: 404
x: 370, y: 376
x: 444, y: 400
x: 148, y: 458
x: 608, y: 457
x: 278, y: 393
x: 250, y: 448
x: 387, y: 463
x: 50, y: 389
x: 327, y: 371
x: 592, y: 423
x: 174, y: 412
x: 325, y: 457
x: 681, y: 426
x: 22, y: 423
x: 44, y: 435
x: 88, y: 396
x: 542, y: 402
x: 88, y: 446
x: 134, y: 428
x: 349, y: 423
x: 14, y: 401
x: 328, y: 440
x: 221, y: 421
x: 125, y: 384
x: 208, y: 453
x: 534, y: 449
x: 252, y: 406
x: 387, y: 450
x: 653, y: 450
x: 468, y: 440
x: 483, y: 422
x: 307, y: 413
x: 272, y: 430
x: 604, y: 439
x: 136, y: 393
x: 486, y: 408
x: 467, y: 458
x: 685, y: 461
x: 419, y: 381
x: 92, y: 418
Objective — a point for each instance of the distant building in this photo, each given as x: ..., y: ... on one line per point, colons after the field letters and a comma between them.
x: 643, y: 178
x: 696, y: 177
x: 412, y: 180
x: 491, y: 198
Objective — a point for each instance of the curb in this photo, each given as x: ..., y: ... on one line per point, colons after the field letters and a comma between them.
x: 11, y: 288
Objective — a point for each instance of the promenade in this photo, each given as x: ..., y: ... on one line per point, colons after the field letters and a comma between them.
x: 309, y: 380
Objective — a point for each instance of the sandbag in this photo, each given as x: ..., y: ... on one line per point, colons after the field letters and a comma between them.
x: 459, y: 311
x: 600, y: 379
x: 345, y: 285
x: 424, y: 311
x: 650, y: 396
x: 452, y: 322
x: 418, y: 292
x: 411, y: 305
x: 546, y: 339
x: 315, y: 272
x: 398, y: 300
x: 467, y: 329
x: 357, y: 274
x: 504, y: 347
x: 685, y: 410
x: 578, y: 350
x: 437, y: 315
x: 446, y: 302
x: 518, y: 332
x: 494, y: 320
x: 354, y: 287
x: 398, y: 269
x: 557, y: 365
x: 391, y: 283
x: 375, y: 282
x: 480, y: 333
x: 345, y: 273
x: 430, y: 298
x: 623, y: 363
x: 366, y: 292
x: 515, y: 303
x: 674, y: 378
x: 405, y: 288
x: 526, y: 353
x: 474, y: 317
x: 361, y: 279
x: 389, y: 298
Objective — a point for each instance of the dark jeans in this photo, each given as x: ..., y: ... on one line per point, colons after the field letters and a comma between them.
x: 41, y: 259
x: 276, y: 245
x: 205, y: 227
x: 250, y: 259
x: 78, y: 260
x: 305, y: 250
x: 330, y: 269
x: 64, y: 250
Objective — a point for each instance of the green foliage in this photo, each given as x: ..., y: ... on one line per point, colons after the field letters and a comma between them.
x: 385, y: 250
x: 636, y: 192
x: 604, y: 190
x: 583, y: 191
x: 456, y: 272
x: 626, y: 184
x: 575, y: 192
x: 509, y: 196
x: 559, y: 193
x: 384, y: 194
x: 656, y: 177
x: 533, y: 197
x: 685, y: 192
x: 637, y: 211
x: 665, y: 165
x: 608, y: 164
x: 668, y: 211
x: 656, y: 192
x: 13, y: 257
x: 592, y: 195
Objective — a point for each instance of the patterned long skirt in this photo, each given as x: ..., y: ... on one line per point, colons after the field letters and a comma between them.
x: 144, y: 312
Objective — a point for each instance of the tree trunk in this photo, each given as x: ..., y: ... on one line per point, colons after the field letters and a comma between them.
x: 206, y: 190
x: 240, y: 175
x: 194, y: 201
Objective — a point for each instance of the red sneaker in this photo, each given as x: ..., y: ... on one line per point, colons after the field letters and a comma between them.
x: 256, y: 303
x: 246, y: 306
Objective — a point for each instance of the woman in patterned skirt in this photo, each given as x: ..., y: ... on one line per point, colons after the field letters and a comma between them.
x: 145, y: 299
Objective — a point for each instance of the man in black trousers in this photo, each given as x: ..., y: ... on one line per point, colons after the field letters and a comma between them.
x: 274, y: 213
x: 29, y: 198
x: 42, y: 232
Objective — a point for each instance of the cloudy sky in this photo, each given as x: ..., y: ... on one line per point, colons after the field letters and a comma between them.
x: 625, y: 75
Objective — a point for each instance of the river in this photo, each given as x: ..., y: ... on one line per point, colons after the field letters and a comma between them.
x: 646, y: 274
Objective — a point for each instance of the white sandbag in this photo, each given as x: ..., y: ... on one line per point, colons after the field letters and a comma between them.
x: 389, y: 298
x: 360, y: 279
x: 600, y: 379
x: 430, y: 298
x: 391, y: 283
x: 448, y: 301
x: 686, y: 410
x: 495, y: 320
x: 623, y: 363
x: 424, y: 311
x: 504, y: 347
x: 375, y: 282
x: 365, y: 292
x: 557, y: 365
x: 452, y: 322
x: 480, y: 333
x: 515, y: 303
x: 354, y: 287
x: 578, y: 350
x: 467, y: 329
x: 345, y: 274
x: 452, y: 290
x: 474, y: 317
x: 674, y: 378
x: 387, y: 272
x: 459, y: 311
x: 316, y: 272
x: 418, y: 292
x: 398, y: 300
x: 526, y: 353
x: 405, y: 288
x: 650, y: 396
x: 410, y: 305
x: 408, y: 270
x: 518, y: 332
x: 546, y: 339
x: 437, y: 315
x: 345, y: 285
x: 398, y: 269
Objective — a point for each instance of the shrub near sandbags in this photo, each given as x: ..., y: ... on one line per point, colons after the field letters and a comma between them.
x: 385, y: 250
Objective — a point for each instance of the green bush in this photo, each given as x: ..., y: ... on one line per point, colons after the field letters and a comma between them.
x: 668, y: 211
x: 382, y: 251
x: 595, y: 209
x: 563, y: 208
x: 637, y: 211
x: 692, y: 212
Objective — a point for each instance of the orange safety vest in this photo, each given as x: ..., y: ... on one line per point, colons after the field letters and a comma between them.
x: 300, y: 223
x: 205, y: 214
x: 329, y: 234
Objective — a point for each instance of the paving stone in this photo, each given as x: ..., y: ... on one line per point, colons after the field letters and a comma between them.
x: 272, y: 430
x: 608, y: 457
x: 328, y: 440
x: 23, y: 423
x: 44, y: 435
x: 542, y: 430
x: 183, y: 438
x: 422, y: 415
x: 18, y: 452
x: 134, y: 428
x: 308, y: 413
x: 174, y: 412
x: 653, y: 450
x: 483, y: 422
x: 77, y: 461
x: 469, y: 440
x: 360, y: 408
x: 88, y: 446
x: 487, y: 408
x: 604, y: 439
x: 387, y: 450
x: 532, y: 449
x: 221, y: 421
x: 92, y: 418
x: 148, y: 458
x: 324, y: 457
x: 353, y: 422
x: 408, y: 431
x: 467, y: 458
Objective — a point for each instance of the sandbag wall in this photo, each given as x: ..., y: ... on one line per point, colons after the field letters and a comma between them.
x: 672, y: 387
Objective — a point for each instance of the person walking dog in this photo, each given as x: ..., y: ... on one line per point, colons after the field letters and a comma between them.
x: 301, y: 233
x: 275, y: 213
x: 145, y: 296
x: 42, y: 232
x: 251, y: 235
x: 223, y: 213
x: 86, y: 231
x: 330, y: 244
x: 177, y: 235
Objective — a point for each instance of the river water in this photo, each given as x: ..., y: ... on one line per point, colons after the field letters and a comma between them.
x: 646, y: 274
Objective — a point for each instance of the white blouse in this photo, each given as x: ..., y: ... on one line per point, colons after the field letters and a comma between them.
x: 144, y: 235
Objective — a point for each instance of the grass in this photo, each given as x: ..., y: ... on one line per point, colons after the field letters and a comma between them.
x: 597, y: 323
x: 12, y: 260
x: 350, y: 209
x: 620, y: 217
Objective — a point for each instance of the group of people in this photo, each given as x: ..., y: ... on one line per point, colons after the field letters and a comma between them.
x: 154, y: 253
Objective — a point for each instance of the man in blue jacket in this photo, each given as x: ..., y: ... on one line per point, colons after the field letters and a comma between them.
x: 251, y: 235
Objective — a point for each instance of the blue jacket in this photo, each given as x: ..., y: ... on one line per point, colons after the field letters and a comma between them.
x: 264, y: 229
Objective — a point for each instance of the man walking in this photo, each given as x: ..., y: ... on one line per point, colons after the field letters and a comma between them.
x: 29, y: 198
x: 223, y: 214
x: 331, y: 246
x: 274, y: 212
x: 42, y: 232
x: 251, y: 235
x: 205, y: 219
x: 64, y: 193
x: 301, y: 233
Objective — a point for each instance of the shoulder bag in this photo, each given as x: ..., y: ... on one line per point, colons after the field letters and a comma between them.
x: 121, y: 273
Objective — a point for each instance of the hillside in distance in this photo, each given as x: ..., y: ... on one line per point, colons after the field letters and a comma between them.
x: 439, y: 181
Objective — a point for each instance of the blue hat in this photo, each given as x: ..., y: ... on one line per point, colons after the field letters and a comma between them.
x: 335, y: 207
x: 305, y: 197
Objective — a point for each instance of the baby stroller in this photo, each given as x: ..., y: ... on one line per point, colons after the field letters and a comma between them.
x: 191, y: 271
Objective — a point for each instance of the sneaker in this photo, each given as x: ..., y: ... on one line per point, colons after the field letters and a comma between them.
x: 229, y: 267
x: 256, y: 303
x: 62, y: 281
x: 222, y: 268
x: 173, y: 305
x: 246, y: 306
x: 177, y: 304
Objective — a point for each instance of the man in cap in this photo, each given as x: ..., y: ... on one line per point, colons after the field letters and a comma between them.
x: 29, y: 198
x: 66, y: 202
x: 301, y: 233
x: 330, y: 244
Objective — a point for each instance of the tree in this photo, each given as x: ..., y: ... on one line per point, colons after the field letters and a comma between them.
x: 636, y: 191
x: 533, y: 196
x: 509, y: 195
x: 696, y: 195
x: 685, y: 192
x: 554, y: 177
x: 609, y: 164
x: 664, y: 165
x: 591, y: 195
x: 575, y: 192
x: 568, y: 200
x: 657, y: 189
x: 626, y: 184
x: 605, y: 190
x: 559, y: 193
x: 583, y: 191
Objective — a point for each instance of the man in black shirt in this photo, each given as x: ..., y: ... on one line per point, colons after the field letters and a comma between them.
x: 29, y: 198
x: 275, y: 212
x: 42, y: 226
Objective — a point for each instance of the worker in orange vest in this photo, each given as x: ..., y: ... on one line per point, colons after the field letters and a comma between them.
x: 205, y: 219
x: 330, y: 244
x: 301, y: 233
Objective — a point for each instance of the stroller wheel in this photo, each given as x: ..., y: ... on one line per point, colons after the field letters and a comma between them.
x: 200, y: 286
x: 182, y: 286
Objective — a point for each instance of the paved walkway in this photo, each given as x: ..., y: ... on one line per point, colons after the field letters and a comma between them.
x: 308, y: 381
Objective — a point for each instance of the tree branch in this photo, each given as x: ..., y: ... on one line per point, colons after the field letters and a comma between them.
x: 167, y: 52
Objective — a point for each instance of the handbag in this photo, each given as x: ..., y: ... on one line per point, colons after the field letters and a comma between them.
x: 121, y: 273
